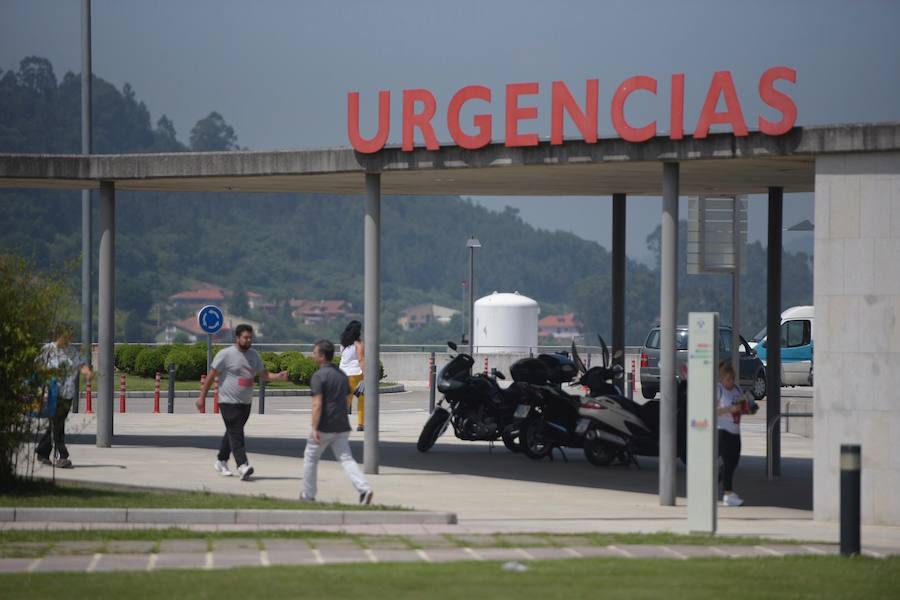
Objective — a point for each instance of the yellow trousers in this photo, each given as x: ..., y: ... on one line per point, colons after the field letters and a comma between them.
x: 360, y: 404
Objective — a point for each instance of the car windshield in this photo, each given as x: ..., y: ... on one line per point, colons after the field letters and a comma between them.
x: 681, y: 339
x: 761, y: 334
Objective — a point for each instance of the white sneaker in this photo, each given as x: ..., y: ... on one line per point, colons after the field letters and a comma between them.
x: 222, y: 467
x: 732, y: 499
x: 245, y: 471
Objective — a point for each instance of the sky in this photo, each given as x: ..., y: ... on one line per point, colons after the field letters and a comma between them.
x: 279, y: 71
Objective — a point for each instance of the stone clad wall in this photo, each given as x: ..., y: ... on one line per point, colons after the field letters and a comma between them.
x: 857, y: 330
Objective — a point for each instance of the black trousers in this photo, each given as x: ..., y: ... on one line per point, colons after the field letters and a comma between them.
x: 55, y: 435
x: 235, y: 417
x: 730, y: 451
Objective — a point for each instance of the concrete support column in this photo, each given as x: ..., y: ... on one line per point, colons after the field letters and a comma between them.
x: 668, y: 307
x: 618, y: 278
x: 773, y: 323
x: 107, y: 325
x: 87, y: 326
x: 372, y: 309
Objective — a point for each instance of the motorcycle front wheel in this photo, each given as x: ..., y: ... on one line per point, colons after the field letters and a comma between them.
x: 532, y: 440
x: 600, y: 453
x: 433, y: 429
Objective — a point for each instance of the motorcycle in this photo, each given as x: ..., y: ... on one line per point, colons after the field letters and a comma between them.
x: 475, y: 405
x: 622, y: 429
x: 547, y: 417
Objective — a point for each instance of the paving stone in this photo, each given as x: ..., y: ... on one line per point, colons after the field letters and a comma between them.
x: 181, y: 560
x: 292, y: 556
x: 123, y: 562
x: 334, y: 543
x: 130, y: 546
x: 392, y: 555
x: 592, y: 551
x: 77, y: 547
x: 791, y: 549
x: 693, y: 551
x: 182, y: 546
x: 229, y: 544
x: 236, y: 558
x: 828, y: 549
x: 64, y: 563
x: 431, y: 541
x: 522, y: 540
x: 343, y: 555
x: 181, y: 516
x: 448, y: 554
x: 547, y: 553
x: 384, y: 542
x: 13, y: 565
x: 499, y: 553
x: 645, y: 550
x: 286, y: 545
x: 742, y: 551
x: 72, y: 515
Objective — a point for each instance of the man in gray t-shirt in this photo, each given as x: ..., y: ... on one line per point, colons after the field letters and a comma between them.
x: 330, y: 426
x: 236, y: 367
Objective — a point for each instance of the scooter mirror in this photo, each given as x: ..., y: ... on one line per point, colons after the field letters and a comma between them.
x: 497, y: 373
x: 577, y: 359
x: 452, y: 346
x: 605, y: 352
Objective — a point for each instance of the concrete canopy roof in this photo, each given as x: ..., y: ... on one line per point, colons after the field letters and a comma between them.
x: 718, y: 164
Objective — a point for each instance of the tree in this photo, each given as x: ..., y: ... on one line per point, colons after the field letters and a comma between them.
x: 36, y: 74
x: 30, y: 309
x: 213, y: 134
x: 238, y: 304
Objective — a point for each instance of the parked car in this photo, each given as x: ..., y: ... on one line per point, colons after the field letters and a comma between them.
x: 797, y: 325
x: 753, y: 371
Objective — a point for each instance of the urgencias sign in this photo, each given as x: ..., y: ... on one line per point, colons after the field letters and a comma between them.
x: 420, y: 105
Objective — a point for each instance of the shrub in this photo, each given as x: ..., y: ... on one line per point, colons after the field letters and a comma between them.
x: 300, y: 368
x: 151, y: 360
x: 126, y: 354
x: 190, y: 362
x: 272, y: 361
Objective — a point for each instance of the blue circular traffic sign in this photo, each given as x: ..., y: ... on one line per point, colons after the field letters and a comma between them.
x: 210, y: 318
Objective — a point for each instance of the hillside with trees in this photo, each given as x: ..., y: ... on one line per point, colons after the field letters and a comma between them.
x: 286, y: 246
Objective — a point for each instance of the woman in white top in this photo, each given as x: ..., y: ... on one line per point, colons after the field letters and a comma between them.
x: 353, y: 364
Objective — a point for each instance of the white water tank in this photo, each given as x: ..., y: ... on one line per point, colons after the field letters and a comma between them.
x: 506, y: 323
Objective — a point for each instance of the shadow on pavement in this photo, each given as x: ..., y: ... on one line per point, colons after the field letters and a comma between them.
x: 792, y: 490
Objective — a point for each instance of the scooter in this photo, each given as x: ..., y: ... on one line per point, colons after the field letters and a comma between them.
x: 475, y: 405
x: 620, y: 428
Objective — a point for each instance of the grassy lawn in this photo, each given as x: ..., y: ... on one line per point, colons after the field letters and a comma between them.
x: 43, y: 493
x: 792, y: 577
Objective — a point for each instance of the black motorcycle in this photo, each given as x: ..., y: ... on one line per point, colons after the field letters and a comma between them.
x: 477, y: 407
x: 550, y: 417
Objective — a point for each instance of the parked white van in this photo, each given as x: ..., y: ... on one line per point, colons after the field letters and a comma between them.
x: 797, y: 324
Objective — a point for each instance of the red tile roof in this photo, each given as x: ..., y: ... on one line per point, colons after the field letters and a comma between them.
x: 565, y: 321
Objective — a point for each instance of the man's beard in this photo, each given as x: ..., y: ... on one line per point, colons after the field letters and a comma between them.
x: 244, y: 345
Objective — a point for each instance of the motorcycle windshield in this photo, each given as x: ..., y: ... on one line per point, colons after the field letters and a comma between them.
x: 457, y: 368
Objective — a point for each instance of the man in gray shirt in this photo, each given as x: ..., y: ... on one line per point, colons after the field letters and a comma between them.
x: 236, y: 367
x: 330, y: 426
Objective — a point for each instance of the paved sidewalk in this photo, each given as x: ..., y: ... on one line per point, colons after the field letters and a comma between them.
x: 490, y: 490
x: 197, y: 554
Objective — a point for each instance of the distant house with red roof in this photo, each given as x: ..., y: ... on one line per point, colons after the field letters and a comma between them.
x: 199, y: 295
x: 564, y: 326
x: 318, y: 311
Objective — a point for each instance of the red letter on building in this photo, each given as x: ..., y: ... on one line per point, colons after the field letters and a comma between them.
x: 514, y: 114
x: 721, y: 84
x: 586, y: 122
x: 676, y: 116
x: 777, y: 100
x: 359, y: 143
x: 482, y: 122
x: 422, y: 120
x: 617, y: 110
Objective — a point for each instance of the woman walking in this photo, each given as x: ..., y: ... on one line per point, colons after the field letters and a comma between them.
x: 353, y: 364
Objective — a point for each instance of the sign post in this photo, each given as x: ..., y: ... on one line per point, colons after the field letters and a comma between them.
x: 702, y: 446
x: 210, y: 318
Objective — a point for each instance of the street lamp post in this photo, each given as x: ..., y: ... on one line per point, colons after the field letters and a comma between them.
x: 471, y: 244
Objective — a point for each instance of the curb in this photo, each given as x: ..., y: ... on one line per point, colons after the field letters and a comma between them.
x: 180, y: 516
x: 390, y: 389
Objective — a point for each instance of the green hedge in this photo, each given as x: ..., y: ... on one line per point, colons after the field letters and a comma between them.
x: 190, y: 362
x: 150, y: 361
x: 126, y: 354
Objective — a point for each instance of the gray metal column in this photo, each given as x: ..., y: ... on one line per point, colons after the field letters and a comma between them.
x: 618, y: 278
x: 107, y: 300
x: 668, y: 307
x: 773, y: 323
x: 87, y: 326
x: 372, y: 309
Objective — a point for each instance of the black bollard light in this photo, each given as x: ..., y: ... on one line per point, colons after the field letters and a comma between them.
x: 262, y: 396
x: 171, y: 400
x: 432, y: 369
x: 851, y: 470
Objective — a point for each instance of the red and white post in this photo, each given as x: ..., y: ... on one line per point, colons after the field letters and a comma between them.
x: 122, y: 394
x: 202, y: 383
x: 216, y: 395
x: 88, y: 401
x: 156, y: 395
